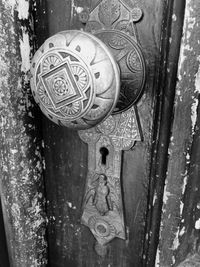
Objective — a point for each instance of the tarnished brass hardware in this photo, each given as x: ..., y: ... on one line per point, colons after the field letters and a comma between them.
x: 102, y: 207
x: 129, y: 57
x: 113, y: 22
x: 75, y: 79
x: 91, y: 80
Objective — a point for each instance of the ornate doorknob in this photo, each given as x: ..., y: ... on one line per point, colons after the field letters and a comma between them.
x: 78, y: 80
x: 75, y: 79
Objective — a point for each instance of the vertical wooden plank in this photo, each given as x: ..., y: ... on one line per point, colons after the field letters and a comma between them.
x: 189, y: 239
x: 21, y: 181
x: 179, y: 235
x: 173, y: 13
x: 136, y: 164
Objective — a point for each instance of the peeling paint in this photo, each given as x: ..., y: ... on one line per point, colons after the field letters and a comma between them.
x: 184, y: 183
x: 22, y: 8
x: 25, y: 51
x: 197, y: 224
x: 189, y: 24
x: 20, y: 154
x: 157, y: 261
x: 195, y: 100
x: 175, y: 228
x: 181, y: 208
x: 174, y: 17
x: 70, y: 205
x: 166, y: 196
x: 154, y: 198
x: 182, y: 231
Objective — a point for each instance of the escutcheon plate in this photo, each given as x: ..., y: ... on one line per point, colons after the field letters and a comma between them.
x: 129, y: 57
x: 102, y: 205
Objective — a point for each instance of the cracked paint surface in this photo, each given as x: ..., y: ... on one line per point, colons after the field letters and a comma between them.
x: 21, y: 186
x: 185, y: 117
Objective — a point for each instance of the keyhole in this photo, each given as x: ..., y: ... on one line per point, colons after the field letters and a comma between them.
x: 104, y: 153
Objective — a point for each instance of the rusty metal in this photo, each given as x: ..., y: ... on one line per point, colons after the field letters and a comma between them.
x: 102, y: 208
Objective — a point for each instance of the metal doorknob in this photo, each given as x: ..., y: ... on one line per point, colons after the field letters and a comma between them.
x: 75, y: 79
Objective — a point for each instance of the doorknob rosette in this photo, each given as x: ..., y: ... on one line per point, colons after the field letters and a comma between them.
x: 75, y: 79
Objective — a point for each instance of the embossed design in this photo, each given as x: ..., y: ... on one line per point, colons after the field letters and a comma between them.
x: 127, y: 131
x: 114, y: 23
x: 107, y: 126
x: 136, y: 14
x: 43, y: 95
x: 126, y: 26
x: 84, y: 16
x: 60, y: 86
x: 130, y: 60
x: 50, y: 62
x: 102, y: 200
x: 100, y: 195
x: 133, y: 61
x: 117, y: 42
x: 72, y: 109
x: 109, y: 12
x: 89, y: 136
x: 101, y: 227
x: 102, y: 207
x: 93, y: 26
x: 81, y: 76
x: 71, y: 82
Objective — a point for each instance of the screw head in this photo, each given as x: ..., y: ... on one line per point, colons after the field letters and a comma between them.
x: 84, y: 16
x: 136, y: 14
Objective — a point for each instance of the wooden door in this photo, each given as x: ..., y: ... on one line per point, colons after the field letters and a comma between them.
x: 159, y: 176
x: 69, y: 242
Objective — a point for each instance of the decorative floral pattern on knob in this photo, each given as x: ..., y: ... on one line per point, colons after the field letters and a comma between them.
x: 75, y: 79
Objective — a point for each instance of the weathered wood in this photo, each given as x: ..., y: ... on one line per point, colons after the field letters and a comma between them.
x: 21, y: 181
x: 190, y: 220
x: 179, y: 235
x: 191, y: 261
x: 21, y: 186
x: 173, y: 12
